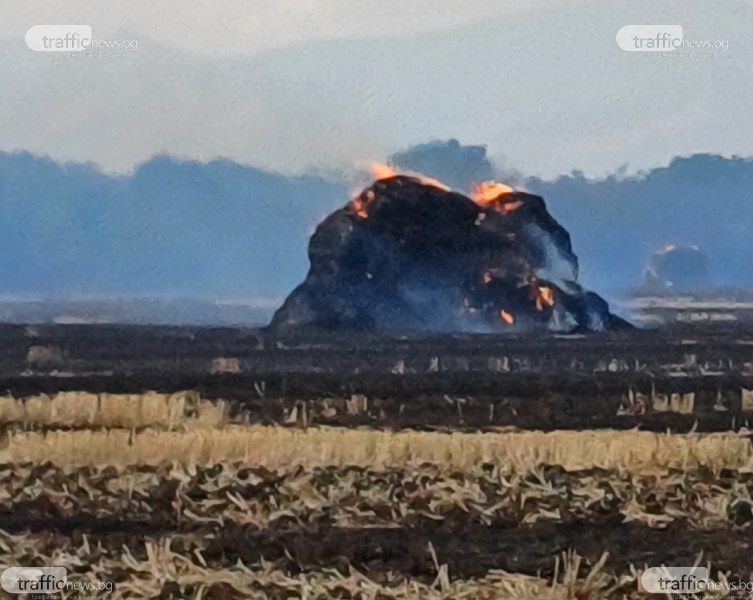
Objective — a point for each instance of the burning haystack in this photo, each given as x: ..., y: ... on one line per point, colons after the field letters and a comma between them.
x: 408, y: 254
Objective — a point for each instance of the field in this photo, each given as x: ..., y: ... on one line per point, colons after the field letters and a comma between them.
x: 190, y: 463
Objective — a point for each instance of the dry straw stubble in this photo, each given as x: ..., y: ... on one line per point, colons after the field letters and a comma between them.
x: 279, y: 448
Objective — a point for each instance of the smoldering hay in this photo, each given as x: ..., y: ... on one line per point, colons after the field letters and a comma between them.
x: 409, y: 255
x: 678, y: 269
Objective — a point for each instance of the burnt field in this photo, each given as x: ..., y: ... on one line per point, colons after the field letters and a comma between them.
x: 653, y: 379
x: 230, y: 463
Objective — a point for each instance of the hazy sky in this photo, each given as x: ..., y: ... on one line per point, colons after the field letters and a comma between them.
x: 294, y: 84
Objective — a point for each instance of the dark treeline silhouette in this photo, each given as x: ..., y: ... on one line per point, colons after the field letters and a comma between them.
x: 220, y: 229
x: 172, y: 228
x: 618, y: 223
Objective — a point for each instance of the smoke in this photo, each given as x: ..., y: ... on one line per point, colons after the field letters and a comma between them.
x: 619, y: 222
x: 406, y: 255
x: 454, y: 164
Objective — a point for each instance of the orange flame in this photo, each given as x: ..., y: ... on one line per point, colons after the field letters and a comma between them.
x: 506, y: 317
x: 487, y: 192
x: 544, y: 296
x: 382, y: 171
x: 359, y: 205
x: 492, y: 194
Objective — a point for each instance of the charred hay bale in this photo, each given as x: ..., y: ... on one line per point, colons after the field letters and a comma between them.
x: 406, y: 255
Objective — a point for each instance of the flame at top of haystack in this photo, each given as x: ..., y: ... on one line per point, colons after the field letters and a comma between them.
x: 384, y: 171
x: 485, y: 193
x: 409, y: 254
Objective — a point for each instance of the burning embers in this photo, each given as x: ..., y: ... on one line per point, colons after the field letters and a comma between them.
x: 491, y: 194
x: 409, y: 254
x: 379, y: 171
x: 495, y: 195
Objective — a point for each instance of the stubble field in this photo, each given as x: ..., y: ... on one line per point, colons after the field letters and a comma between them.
x: 244, y: 484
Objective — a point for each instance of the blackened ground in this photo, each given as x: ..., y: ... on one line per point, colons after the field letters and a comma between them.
x: 466, y: 382
x: 458, y: 402
x: 470, y: 550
